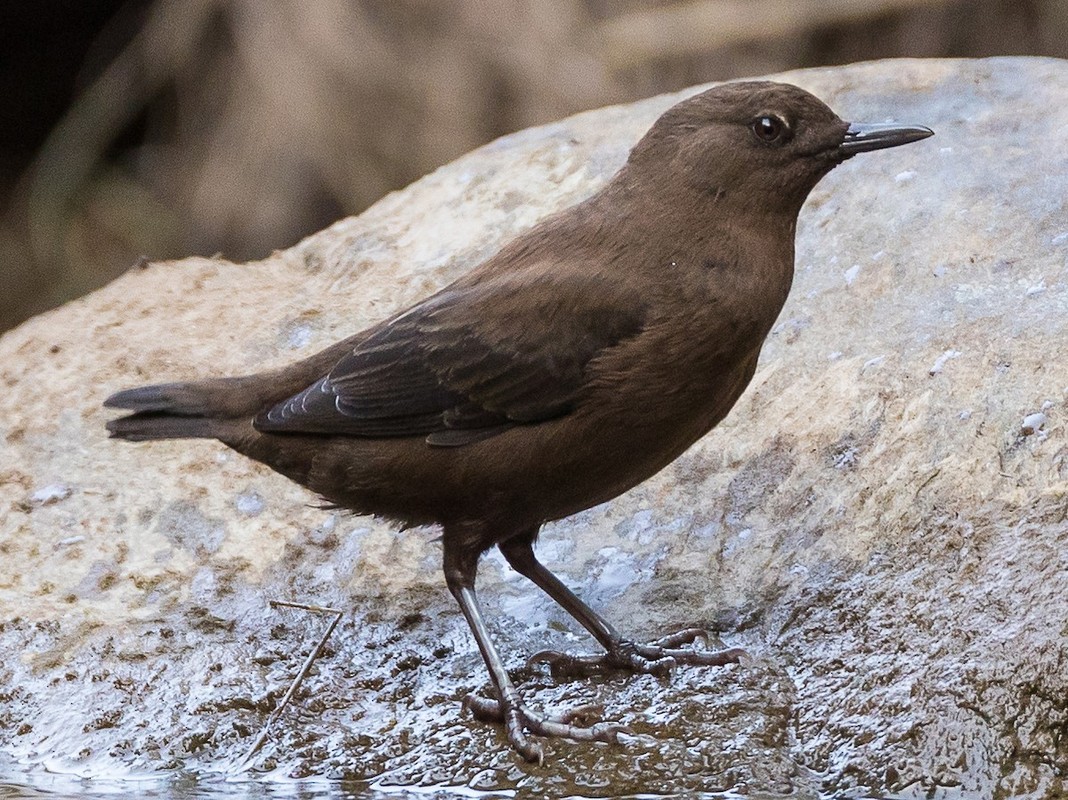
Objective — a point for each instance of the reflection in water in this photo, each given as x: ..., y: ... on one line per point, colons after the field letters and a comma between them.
x: 47, y: 786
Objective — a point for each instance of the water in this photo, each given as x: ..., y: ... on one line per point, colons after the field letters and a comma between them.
x: 47, y: 786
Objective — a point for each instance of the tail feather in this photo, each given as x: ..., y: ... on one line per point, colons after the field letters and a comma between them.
x: 165, y: 411
x: 184, y: 399
x: 146, y: 426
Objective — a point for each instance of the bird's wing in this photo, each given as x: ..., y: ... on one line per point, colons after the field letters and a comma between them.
x: 467, y: 363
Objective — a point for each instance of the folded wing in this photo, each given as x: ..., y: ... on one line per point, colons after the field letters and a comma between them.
x: 467, y: 363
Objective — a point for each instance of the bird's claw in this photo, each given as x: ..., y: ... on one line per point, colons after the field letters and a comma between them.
x: 518, y: 720
x: 659, y: 658
x: 565, y: 665
x: 684, y: 636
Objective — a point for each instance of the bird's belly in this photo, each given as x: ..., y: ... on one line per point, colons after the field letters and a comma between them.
x: 525, y: 476
x: 601, y: 450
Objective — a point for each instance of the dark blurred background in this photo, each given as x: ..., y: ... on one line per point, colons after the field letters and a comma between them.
x: 166, y: 128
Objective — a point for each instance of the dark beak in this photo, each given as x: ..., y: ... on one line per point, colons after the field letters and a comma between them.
x: 861, y: 138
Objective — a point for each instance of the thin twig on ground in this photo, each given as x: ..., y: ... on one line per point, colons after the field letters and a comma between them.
x: 299, y: 678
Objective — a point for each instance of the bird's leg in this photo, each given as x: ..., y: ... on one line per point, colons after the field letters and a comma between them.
x: 659, y: 657
x: 460, y: 567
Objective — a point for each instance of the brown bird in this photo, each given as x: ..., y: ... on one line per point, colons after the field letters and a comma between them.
x: 578, y: 361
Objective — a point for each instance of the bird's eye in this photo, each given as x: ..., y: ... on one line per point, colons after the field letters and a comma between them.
x: 771, y: 129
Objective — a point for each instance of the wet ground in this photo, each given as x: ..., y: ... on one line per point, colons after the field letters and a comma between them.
x: 191, y: 788
x: 382, y: 708
x: 829, y: 694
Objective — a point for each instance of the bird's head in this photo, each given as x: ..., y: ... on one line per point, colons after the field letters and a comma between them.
x: 755, y: 144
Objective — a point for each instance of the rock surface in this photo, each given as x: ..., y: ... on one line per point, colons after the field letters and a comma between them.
x: 881, y: 521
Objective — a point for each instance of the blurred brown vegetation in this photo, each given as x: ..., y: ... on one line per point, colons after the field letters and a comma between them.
x: 239, y: 126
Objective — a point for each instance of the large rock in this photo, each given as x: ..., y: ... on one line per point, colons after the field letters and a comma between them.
x: 880, y: 522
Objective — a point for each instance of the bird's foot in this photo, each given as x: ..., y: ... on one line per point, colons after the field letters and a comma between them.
x: 518, y: 720
x: 656, y: 658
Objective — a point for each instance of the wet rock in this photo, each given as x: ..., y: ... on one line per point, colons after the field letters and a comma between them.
x: 875, y: 528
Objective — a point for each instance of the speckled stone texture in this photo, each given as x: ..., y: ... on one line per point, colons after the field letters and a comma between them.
x: 874, y: 522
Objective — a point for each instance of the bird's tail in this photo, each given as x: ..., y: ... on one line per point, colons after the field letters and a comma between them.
x: 166, y: 411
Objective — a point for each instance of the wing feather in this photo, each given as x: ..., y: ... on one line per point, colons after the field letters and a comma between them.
x: 465, y: 364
